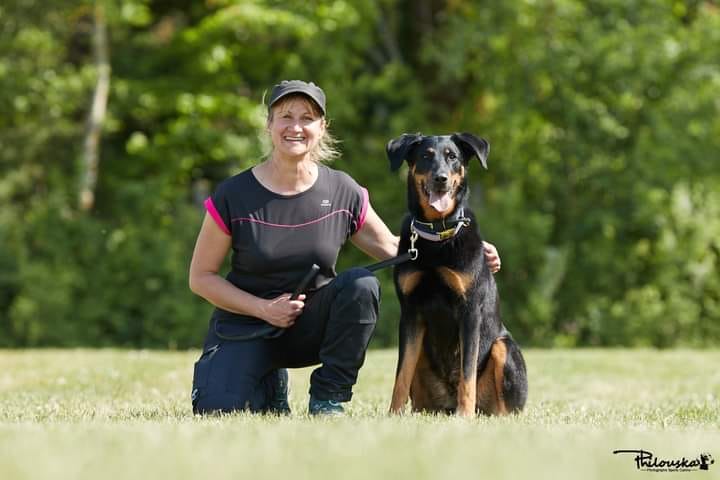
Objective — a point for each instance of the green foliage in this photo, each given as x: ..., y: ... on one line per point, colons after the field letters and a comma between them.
x: 602, y: 118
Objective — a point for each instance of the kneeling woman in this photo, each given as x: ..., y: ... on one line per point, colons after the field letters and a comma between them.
x: 279, y: 218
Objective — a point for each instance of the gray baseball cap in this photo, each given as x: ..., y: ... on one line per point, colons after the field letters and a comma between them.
x: 286, y: 87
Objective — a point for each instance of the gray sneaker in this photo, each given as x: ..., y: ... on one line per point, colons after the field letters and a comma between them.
x: 325, y: 407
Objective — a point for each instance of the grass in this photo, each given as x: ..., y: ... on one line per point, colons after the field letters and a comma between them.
x: 109, y: 414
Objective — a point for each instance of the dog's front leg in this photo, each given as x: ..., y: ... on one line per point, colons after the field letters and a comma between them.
x: 412, y: 332
x: 469, y: 348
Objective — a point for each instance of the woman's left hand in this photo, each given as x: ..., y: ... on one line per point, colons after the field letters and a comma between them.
x: 492, y: 257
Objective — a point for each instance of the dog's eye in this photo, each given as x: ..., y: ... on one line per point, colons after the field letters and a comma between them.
x: 452, y: 156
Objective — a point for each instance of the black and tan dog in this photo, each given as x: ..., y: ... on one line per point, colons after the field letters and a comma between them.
x: 455, y: 353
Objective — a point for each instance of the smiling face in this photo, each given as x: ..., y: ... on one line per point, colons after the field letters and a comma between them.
x: 296, y: 126
x: 438, y: 172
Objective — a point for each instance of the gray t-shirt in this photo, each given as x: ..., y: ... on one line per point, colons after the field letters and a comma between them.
x: 276, y: 238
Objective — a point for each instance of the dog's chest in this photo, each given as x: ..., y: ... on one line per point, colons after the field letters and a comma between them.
x: 429, y: 283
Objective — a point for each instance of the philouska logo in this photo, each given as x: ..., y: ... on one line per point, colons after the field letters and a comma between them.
x: 647, y: 461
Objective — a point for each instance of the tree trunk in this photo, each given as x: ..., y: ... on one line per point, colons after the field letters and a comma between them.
x: 91, y: 149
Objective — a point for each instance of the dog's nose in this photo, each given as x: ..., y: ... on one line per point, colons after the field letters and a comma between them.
x: 440, y: 178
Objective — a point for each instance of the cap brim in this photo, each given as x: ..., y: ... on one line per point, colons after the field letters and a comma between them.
x: 290, y: 91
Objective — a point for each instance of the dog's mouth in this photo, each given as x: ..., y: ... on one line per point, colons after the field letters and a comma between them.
x: 440, y: 199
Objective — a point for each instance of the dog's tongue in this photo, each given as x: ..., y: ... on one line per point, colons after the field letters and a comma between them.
x: 440, y: 201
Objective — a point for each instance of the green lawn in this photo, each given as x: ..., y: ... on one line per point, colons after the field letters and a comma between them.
x: 106, y: 414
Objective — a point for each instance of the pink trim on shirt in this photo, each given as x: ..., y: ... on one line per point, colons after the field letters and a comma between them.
x: 262, y: 222
x: 363, y: 209
x: 210, y: 207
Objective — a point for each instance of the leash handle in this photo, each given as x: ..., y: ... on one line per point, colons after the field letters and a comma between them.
x: 305, y: 280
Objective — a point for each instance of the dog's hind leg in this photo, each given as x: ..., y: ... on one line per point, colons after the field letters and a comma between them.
x: 502, y: 385
x: 515, y: 383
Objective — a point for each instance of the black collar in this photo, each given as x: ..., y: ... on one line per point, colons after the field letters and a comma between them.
x: 442, y: 229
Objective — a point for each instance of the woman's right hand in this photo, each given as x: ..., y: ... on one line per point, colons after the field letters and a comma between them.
x: 281, y: 311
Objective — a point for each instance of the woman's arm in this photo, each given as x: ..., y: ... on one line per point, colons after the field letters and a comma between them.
x: 210, y: 250
x: 375, y: 238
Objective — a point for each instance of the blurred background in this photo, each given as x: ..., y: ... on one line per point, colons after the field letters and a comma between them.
x: 118, y: 117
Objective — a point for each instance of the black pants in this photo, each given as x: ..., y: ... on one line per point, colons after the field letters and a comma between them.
x: 334, y: 331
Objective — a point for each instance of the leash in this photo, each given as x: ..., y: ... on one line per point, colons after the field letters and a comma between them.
x: 271, y: 331
x: 411, y: 254
x: 434, y: 232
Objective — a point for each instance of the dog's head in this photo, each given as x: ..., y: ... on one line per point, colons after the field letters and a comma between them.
x: 438, y: 164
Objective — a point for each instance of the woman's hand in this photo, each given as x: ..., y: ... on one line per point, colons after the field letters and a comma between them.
x: 492, y: 257
x: 281, y: 311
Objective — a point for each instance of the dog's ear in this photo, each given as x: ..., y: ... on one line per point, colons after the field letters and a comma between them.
x: 398, y: 148
x: 472, y: 146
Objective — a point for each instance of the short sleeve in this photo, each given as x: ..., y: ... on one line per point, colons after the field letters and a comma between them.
x: 358, y: 205
x: 364, y: 202
x: 217, y: 207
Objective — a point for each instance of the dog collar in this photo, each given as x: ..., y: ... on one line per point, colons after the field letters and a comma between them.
x: 442, y: 230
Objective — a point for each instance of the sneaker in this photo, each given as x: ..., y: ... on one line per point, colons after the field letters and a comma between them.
x: 279, y: 390
x: 325, y: 407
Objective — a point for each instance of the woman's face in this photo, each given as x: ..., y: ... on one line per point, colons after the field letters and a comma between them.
x: 295, y: 127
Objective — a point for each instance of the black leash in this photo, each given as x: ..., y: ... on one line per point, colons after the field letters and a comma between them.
x: 402, y: 258
x: 411, y: 254
x: 429, y: 231
x: 271, y: 331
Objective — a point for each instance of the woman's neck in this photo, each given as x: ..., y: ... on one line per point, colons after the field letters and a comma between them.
x: 286, y: 176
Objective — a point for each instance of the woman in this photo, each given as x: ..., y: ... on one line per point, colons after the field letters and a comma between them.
x: 279, y: 218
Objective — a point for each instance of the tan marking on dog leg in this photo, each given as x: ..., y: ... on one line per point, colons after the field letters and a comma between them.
x: 490, y: 398
x: 406, y: 372
x: 499, y: 356
x: 467, y: 387
x: 467, y: 396
x: 408, y: 281
x: 459, y: 282
x: 486, y: 388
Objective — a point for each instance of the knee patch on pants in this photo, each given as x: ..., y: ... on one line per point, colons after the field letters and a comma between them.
x: 201, y: 374
x: 214, y: 389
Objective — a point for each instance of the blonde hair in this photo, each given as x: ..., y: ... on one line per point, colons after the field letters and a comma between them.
x: 326, y: 149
